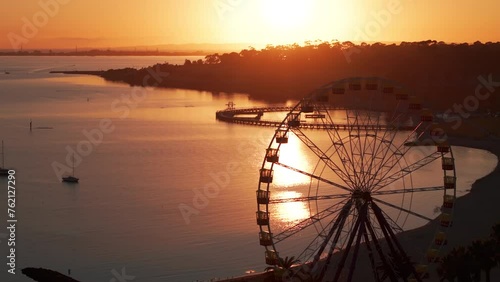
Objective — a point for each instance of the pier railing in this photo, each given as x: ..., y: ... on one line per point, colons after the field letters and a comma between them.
x: 235, y: 116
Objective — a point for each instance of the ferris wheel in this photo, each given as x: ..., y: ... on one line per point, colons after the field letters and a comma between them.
x: 349, y: 168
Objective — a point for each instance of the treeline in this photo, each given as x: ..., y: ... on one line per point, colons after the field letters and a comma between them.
x: 442, y: 74
x: 473, y: 262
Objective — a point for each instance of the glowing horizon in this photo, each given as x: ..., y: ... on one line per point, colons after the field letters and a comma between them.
x: 65, y: 24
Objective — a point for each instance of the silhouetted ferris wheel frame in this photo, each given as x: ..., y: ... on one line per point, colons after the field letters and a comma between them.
x: 365, y: 158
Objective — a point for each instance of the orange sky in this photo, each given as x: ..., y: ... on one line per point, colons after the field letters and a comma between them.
x: 113, y: 23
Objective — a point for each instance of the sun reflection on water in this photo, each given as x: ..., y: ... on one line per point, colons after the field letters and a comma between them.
x: 294, y: 155
x: 290, y: 213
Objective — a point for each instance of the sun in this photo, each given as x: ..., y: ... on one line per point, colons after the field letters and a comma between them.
x: 286, y: 14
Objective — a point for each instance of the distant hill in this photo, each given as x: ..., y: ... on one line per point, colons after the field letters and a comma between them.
x: 193, y: 47
x: 99, y: 52
x: 143, y: 50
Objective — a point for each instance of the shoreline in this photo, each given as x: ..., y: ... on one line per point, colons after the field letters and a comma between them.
x: 471, y: 221
x: 180, y: 81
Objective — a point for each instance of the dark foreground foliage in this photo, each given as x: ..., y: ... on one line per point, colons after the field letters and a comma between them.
x: 46, y: 275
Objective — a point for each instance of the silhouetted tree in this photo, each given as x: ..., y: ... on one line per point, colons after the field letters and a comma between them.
x: 456, y: 264
x: 212, y: 59
x: 483, y: 252
x: 283, y: 266
x: 495, y: 232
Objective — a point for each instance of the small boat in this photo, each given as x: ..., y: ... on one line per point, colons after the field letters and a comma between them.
x: 6, y: 72
x: 71, y: 178
x: 3, y: 171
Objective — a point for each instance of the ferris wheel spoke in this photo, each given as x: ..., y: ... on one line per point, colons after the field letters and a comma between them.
x: 386, y: 165
x: 374, y: 168
x: 408, y: 190
x: 390, y: 140
x: 338, y: 143
x: 370, y: 146
x: 323, y: 157
x: 376, y: 151
x: 315, y: 177
x: 385, y: 181
x: 308, y: 222
x: 377, y: 160
x: 312, y: 198
x: 402, y: 209
x: 404, y: 191
x: 354, y: 138
x: 397, y: 154
x: 394, y: 225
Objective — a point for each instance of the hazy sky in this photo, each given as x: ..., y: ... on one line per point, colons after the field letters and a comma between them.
x: 112, y: 23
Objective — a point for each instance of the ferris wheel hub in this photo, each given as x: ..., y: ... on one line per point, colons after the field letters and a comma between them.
x: 359, y: 194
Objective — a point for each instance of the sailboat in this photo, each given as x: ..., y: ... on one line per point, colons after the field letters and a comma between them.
x: 3, y: 171
x: 71, y: 178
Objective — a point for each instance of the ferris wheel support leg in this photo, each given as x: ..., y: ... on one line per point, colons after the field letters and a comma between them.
x: 383, y: 223
x: 361, y: 232
x: 386, y: 228
x: 332, y: 248
x: 338, y: 225
x: 370, y: 255
x: 355, y: 230
x: 392, y: 277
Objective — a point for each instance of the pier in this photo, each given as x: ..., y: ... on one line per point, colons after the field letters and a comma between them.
x: 253, y: 116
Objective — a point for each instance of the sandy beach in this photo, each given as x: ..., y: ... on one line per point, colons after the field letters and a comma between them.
x: 474, y: 214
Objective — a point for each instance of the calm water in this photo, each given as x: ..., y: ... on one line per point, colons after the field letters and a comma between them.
x: 159, y: 153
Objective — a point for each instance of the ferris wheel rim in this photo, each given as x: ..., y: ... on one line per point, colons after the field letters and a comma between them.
x: 283, y: 126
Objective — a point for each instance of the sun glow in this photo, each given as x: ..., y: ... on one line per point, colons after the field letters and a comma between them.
x: 286, y: 14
